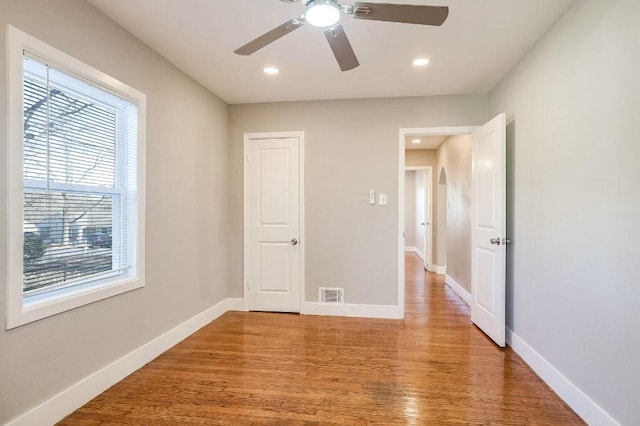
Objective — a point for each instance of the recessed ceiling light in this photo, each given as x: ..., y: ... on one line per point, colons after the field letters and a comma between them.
x: 271, y: 70
x: 416, y: 141
x: 420, y: 62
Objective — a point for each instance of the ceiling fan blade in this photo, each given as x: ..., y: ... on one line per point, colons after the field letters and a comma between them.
x: 341, y: 48
x: 407, y: 14
x: 270, y: 37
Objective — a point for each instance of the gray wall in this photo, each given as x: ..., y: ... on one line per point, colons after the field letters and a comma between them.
x: 420, y: 157
x: 351, y: 147
x: 574, y: 153
x: 454, y: 156
x: 187, y: 214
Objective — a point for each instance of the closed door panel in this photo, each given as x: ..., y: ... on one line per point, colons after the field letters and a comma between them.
x: 274, y: 261
x: 274, y: 186
x: 485, y: 259
x: 272, y: 224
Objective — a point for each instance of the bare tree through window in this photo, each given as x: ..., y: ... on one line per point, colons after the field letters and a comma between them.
x: 69, y: 167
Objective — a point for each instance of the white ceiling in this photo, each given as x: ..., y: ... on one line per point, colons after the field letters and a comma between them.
x: 480, y: 41
x: 426, y: 142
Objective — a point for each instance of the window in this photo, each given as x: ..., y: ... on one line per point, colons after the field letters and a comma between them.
x: 76, y: 183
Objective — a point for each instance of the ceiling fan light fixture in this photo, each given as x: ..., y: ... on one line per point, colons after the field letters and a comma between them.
x: 322, y: 13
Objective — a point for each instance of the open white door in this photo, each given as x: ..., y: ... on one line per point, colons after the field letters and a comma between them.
x: 272, y: 223
x: 420, y: 198
x: 428, y: 201
x: 488, y: 234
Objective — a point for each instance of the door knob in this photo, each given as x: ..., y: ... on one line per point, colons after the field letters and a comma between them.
x: 294, y: 241
x: 422, y: 224
x: 495, y: 241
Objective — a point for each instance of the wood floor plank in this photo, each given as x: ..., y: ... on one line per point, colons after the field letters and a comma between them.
x: 433, y: 367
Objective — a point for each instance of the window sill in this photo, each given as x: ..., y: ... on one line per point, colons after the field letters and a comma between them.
x: 47, y: 304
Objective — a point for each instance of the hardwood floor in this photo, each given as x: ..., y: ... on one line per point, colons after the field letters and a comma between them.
x: 434, y: 367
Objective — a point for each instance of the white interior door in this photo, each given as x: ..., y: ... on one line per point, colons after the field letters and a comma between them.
x: 428, y: 244
x: 420, y: 219
x: 488, y: 236
x: 272, y: 224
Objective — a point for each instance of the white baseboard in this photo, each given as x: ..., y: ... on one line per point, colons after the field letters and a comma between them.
x: 352, y: 310
x: 579, y: 402
x: 436, y: 269
x: 78, y: 394
x: 235, y: 304
x: 410, y: 249
x: 458, y: 289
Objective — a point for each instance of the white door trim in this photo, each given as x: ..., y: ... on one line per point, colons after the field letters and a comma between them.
x: 302, y: 239
x: 403, y: 134
x: 428, y: 259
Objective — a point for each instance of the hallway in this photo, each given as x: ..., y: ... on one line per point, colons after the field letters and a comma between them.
x: 434, y: 367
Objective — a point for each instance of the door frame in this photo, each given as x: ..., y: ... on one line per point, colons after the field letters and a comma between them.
x: 248, y: 137
x: 403, y: 134
x: 428, y: 236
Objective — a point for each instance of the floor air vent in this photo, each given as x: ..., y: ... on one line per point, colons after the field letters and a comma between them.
x: 331, y: 295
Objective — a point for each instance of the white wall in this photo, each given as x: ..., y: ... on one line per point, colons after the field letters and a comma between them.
x: 187, y: 213
x: 349, y: 243
x: 574, y: 205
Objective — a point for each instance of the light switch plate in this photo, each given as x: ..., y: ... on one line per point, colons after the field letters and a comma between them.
x: 372, y: 197
x: 383, y: 199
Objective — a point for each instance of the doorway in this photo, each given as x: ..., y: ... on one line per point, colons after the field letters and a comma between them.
x: 418, y: 212
x: 480, y: 215
x: 408, y: 137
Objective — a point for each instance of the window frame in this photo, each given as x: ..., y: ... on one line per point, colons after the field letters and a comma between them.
x: 20, y: 311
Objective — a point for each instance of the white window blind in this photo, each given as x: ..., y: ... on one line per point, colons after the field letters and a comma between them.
x: 80, y: 181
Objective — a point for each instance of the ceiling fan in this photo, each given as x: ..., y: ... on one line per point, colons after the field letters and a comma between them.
x: 326, y: 14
